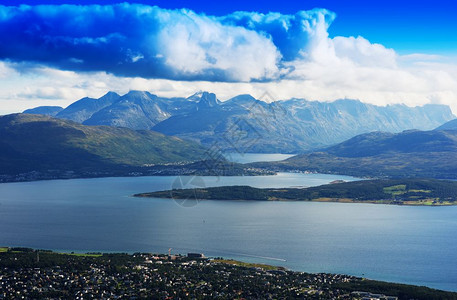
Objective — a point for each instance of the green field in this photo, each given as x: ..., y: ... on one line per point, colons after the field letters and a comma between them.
x: 395, y: 189
x: 3, y: 249
x: 247, y: 265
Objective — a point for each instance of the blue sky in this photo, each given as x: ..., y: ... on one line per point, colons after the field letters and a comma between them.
x: 407, y: 26
x: 425, y: 25
x: 381, y: 52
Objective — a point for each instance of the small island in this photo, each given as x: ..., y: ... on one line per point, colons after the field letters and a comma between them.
x: 431, y: 192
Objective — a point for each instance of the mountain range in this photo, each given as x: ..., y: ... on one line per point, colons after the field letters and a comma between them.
x: 411, y: 153
x: 245, y: 124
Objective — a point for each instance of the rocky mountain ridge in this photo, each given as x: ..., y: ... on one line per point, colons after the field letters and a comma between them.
x: 246, y: 124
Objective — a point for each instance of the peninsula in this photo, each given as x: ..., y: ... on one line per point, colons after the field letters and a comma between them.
x: 431, y: 192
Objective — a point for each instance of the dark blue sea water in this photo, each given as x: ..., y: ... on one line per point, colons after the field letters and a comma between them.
x: 415, y: 245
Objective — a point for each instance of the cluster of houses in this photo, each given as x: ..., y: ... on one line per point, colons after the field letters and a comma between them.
x: 169, y: 277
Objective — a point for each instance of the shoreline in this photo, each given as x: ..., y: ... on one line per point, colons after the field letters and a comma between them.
x: 409, y: 192
x: 385, y: 202
x: 333, y: 200
x: 274, y: 269
x: 3, y: 178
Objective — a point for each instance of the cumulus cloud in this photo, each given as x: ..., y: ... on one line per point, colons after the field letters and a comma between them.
x: 201, y: 45
x: 291, y: 34
x: 151, y: 42
x: 63, y: 52
x: 136, y: 40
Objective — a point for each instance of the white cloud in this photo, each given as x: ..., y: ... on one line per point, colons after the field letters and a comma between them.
x: 363, y: 53
x: 412, y: 85
x: 6, y: 70
x: 292, y: 53
x: 137, y: 40
x: 199, y: 43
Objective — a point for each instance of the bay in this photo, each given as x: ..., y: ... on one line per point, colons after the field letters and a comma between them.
x: 414, y: 245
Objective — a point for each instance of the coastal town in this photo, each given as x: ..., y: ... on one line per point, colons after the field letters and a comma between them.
x: 198, y: 168
x: 32, y: 274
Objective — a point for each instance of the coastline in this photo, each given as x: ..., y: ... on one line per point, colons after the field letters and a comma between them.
x: 36, y: 260
x: 408, y: 192
x: 323, y: 200
x: 39, y: 176
x: 428, y: 202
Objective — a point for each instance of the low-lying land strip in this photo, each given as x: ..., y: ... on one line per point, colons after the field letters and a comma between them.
x: 383, y: 191
x: 27, y: 273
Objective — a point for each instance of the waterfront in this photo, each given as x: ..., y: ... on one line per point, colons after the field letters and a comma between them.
x: 413, y: 245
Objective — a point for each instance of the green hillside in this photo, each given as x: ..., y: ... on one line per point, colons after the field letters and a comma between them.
x: 38, y: 143
x: 413, y: 153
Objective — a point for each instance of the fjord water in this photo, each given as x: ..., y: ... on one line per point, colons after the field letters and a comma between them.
x: 413, y: 245
x: 244, y: 158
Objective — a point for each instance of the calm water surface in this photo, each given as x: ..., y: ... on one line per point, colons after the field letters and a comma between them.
x: 244, y: 158
x: 414, y: 245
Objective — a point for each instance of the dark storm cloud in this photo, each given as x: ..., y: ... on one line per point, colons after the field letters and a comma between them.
x: 143, y: 41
